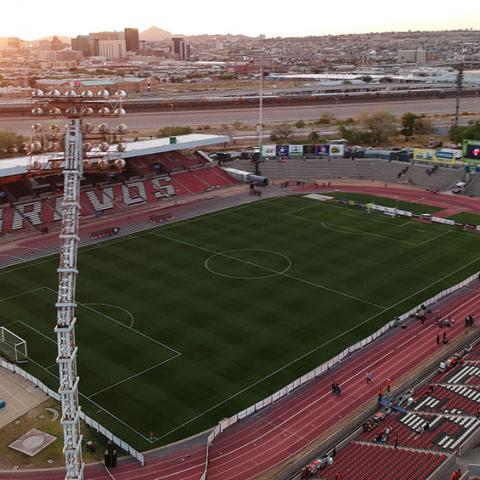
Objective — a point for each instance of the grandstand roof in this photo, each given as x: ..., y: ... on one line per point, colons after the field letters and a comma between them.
x: 18, y: 165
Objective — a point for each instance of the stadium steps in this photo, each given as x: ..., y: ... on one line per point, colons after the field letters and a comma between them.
x: 474, y: 187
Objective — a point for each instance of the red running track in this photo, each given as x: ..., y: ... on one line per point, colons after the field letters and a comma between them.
x: 454, y: 203
x: 258, y: 444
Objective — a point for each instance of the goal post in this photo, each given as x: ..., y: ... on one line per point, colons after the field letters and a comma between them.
x: 13, y: 347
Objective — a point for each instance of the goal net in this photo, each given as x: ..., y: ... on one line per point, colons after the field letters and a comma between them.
x: 12, y: 347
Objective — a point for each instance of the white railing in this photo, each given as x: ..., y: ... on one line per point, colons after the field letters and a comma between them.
x: 228, y: 422
x: 89, y: 421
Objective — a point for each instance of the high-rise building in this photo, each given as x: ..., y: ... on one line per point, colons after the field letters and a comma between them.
x: 82, y: 44
x: 412, y: 56
x: 132, y: 39
x: 56, y: 44
x: 110, y: 45
x: 179, y: 49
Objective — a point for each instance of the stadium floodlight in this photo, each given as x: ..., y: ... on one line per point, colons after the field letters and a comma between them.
x: 104, y: 111
x: 103, y: 128
x: 104, y: 146
x: 88, y: 127
x: 73, y: 105
x: 119, y: 163
x: 121, y: 128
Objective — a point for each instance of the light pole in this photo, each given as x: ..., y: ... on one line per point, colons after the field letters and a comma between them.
x: 74, y: 106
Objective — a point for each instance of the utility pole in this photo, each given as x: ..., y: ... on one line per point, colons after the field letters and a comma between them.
x: 459, y: 83
x: 260, y: 112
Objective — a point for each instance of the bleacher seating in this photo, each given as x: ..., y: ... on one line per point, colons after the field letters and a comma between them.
x: 362, y: 169
x: 212, y: 178
x: 444, y: 433
x: 358, y: 461
x: 190, y: 182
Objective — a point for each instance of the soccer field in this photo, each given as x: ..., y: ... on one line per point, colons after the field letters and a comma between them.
x: 181, y: 326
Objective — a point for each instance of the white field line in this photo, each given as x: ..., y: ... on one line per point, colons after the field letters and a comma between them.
x: 94, y: 403
x: 261, y: 267
x: 122, y: 324
x: 132, y: 318
x: 20, y: 294
x: 133, y: 376
x: 434, y: 238
x: 329, y: 226
x: 301, y: 357
x: 143, y: 232
x: 81, y: 394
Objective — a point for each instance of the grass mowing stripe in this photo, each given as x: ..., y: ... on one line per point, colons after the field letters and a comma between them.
x: 282, y: 273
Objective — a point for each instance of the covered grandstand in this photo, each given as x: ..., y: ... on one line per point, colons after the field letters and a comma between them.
x: 155, y: 170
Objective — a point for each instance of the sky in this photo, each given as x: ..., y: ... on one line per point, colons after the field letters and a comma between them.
x: 30, y: 19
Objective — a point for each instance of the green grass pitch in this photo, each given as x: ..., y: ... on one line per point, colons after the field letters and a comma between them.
x: 181, y: 326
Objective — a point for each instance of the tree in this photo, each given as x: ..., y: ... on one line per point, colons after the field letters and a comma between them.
x: 366, y: 78
x: 415, y: 125
x: 173, y: 131
x: 281, y: 133
x: 326, y: 118
x: 379, y: 127
x: 408, y: 124
x: 300, y: 124
x: 423, y: 125
x: 468, y: 132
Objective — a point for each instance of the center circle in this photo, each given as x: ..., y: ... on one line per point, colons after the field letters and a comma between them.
x: 240, y: 264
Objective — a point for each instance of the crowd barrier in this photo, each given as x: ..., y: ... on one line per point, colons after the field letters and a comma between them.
x: 325, y: 367
x: 89, y: 421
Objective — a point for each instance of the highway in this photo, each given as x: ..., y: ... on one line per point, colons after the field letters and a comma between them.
x: 218, y: 117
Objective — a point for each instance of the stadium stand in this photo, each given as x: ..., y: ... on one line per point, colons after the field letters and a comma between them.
x: 41, y: 200
x: 423, y: 431
x: 358, y: 461
x: 361, y: 169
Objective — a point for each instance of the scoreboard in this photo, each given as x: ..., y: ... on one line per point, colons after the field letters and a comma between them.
x: 471, y: 150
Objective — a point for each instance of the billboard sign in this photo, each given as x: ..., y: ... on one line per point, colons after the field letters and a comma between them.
x: 337, y: 150
x: 269, y: 151
x: 309, y: 150
x: 282, y: 150
x: 295, y: 150
x: 471, y: 150
x: 430, y: 155
x: 322, y: 150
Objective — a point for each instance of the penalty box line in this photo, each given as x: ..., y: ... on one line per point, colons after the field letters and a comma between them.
x: 108, y: 317
x: 100, y: 407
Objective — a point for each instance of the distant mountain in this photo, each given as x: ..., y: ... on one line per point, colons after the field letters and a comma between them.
x: 62, y: 39
x: 155, y: 34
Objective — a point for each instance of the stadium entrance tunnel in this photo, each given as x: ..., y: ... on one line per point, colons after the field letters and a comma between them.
x: 248, y: 264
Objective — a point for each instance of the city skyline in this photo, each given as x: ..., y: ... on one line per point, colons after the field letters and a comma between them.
x: 254, y: 18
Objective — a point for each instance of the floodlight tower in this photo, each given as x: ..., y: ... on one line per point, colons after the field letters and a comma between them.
x: 73, y: 105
